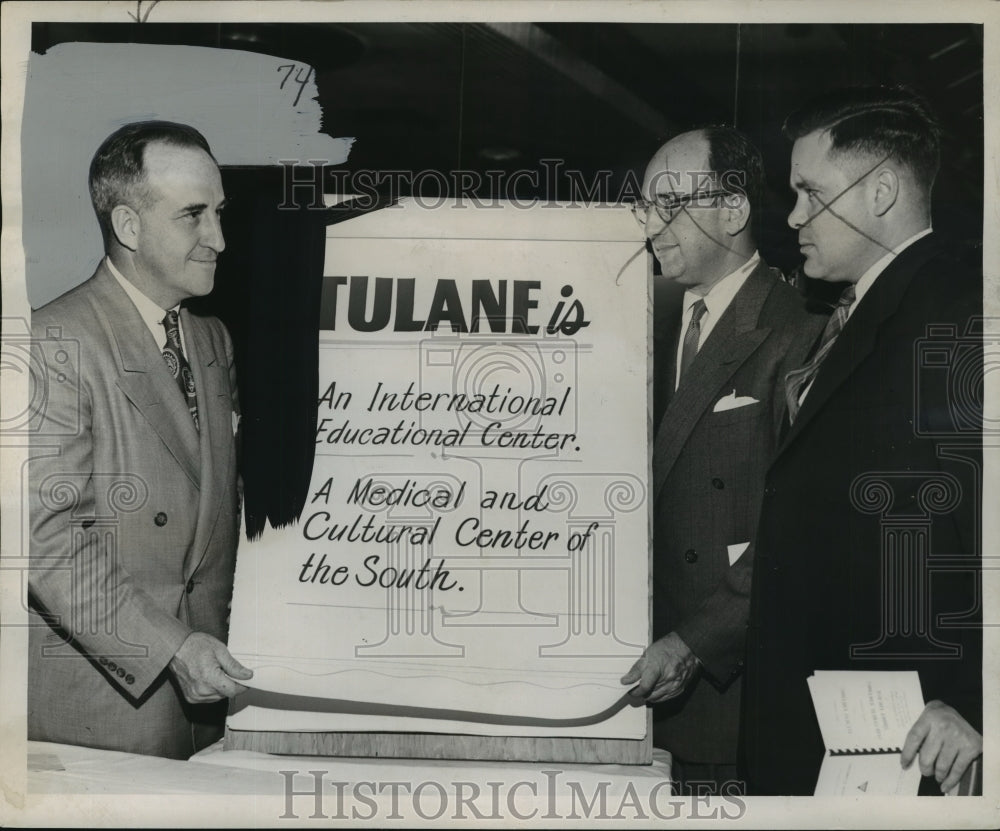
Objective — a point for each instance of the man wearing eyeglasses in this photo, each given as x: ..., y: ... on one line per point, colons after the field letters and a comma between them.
x: 727, y: 331
x: 867, y: 547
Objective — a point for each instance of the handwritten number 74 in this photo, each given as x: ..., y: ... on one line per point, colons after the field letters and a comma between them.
x: 299, y: 79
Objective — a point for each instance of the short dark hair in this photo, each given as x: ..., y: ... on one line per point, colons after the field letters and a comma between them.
x: 737, y: 165
x: 117, y: 171
x: 875, y: 120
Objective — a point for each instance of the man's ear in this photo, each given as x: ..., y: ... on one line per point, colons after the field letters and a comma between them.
x: 125, y: 224
x: 886, y: 190
x: 737, y: 208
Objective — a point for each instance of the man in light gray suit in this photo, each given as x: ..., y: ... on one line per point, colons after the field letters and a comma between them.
x: 134, y: 503
x: 728, y: 329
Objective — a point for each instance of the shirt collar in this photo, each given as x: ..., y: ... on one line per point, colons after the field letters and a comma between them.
x: 722, y: 293
x: 151, y: 313
x: 868, y: 278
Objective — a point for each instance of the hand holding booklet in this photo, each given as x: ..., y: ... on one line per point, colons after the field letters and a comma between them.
x: 864, y: 718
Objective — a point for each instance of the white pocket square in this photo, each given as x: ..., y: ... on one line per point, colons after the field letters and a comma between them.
x: 236, y: 421
x: 736, y: 550
x: 732, y: 401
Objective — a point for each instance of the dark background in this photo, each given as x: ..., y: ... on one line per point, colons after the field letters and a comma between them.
x: 600, y: 96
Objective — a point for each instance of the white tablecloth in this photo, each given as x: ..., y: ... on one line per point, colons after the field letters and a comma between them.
x: 349, y: 784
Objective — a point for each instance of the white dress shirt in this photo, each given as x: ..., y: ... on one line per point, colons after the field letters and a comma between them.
x: 716, y: 302
x: 151, y: 314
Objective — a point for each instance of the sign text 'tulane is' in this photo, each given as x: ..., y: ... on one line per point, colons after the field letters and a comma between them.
x: 501, y: 306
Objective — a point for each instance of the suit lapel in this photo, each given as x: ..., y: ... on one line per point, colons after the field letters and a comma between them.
x: 668, y: 299
x: 857, y: 339
x: 215, y: 407
x: 732, y: 341
x: 143, y: 376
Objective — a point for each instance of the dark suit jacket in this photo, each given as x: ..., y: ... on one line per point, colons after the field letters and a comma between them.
x: 880, y: 468
x: 708, y: 471
x: 133, y: 520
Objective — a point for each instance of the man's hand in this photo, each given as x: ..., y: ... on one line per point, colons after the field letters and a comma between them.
x: 663, y: 670
x: 202, y: 666
x: 947, y: 743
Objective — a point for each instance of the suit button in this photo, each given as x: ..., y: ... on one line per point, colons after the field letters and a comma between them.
x: 121, y: 672
x: 190, y: 586
x: 160, y: 519
x: 112, y: 666
x: 691, y: 556
x: 718, y: 483
x: 102, y: 660
x: 130, y: 678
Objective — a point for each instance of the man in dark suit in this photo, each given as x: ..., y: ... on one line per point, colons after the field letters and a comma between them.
x: 866, y: 553
x: 728, y: 329
x: 134, y: 504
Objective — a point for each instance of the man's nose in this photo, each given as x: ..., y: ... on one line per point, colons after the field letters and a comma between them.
x: 212, y: 236
x: 654, y: 224
x: 797, y: 218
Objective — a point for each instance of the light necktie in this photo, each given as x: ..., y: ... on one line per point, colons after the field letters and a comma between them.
x: 799, y: 379
x: 173, y: 354
x: 689, y: 349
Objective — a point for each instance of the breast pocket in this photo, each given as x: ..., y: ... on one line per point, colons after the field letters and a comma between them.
x: 741, y: 442
x: 747, y: 413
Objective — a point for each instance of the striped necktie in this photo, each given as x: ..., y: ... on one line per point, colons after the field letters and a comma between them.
x: 799, y: 379
x: 173, y: 354
x: 689, y: 349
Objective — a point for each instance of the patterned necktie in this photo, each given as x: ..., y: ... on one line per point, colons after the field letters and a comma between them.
x: 799, y: 379
x: 689, y: 349
x: 173, y: 354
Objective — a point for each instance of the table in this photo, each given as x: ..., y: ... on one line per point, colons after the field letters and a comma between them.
x: 365, y: 790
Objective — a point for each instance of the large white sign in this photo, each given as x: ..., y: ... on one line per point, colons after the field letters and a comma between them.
x: 474, y: 553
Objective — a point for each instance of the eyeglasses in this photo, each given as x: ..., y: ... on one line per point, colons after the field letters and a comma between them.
x: 669, y: 205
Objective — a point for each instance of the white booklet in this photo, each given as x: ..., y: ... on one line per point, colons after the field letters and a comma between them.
x: 864, y: 718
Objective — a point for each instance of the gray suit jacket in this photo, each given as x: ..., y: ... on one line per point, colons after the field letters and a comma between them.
x: 134, y: 519
x: 708, y: 474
